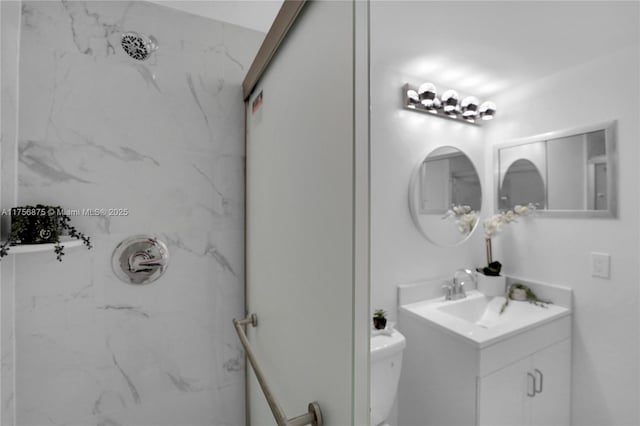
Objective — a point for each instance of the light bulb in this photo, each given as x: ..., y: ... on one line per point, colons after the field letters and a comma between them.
x: 412, y: 98
x: 487, y: 110
x: 427, y: 93
x: 450, y: 101
x: 469, y: 106
x: 434, y: 106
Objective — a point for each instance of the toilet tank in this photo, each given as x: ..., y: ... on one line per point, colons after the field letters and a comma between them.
x: 386, y: 362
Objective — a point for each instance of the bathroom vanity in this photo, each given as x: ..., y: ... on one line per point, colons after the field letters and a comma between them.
x: 467, y: 364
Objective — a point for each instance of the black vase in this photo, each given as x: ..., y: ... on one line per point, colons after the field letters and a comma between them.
x: 379, y: 323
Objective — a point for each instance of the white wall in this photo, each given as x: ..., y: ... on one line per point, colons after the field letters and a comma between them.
x: 557, y: 250
x: 401, y: 139
x: 255, y: 14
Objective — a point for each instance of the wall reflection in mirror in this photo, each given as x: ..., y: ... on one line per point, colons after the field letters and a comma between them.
x: 568, y: 173
x: 445, y: 196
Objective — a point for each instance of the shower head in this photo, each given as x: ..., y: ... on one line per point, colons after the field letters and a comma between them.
x: 138, y: 46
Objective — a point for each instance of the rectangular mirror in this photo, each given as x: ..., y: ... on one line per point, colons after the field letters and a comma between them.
x: 565, y: 173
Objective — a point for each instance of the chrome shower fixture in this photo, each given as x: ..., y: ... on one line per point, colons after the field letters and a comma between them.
x: 425, y: 99
x: 138, y: 46
x: 140, y: 259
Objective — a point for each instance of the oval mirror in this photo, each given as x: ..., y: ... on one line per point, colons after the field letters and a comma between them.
x: 445, y: 197
x: 522, y: 185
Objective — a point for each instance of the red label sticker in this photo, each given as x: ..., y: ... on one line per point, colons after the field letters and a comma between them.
x: 255, y: 105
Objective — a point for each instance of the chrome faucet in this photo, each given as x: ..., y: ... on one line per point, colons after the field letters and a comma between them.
x: 454, y: 290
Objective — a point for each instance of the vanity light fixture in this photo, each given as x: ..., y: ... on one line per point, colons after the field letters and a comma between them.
x: 425, y: 99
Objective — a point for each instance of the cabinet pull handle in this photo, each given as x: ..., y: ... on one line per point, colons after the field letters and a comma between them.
x: 533, y: 387
x: 539, y: 373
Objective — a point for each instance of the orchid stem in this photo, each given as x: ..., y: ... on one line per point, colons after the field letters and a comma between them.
x: 489, y: 254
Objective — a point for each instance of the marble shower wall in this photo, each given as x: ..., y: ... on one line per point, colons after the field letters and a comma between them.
x: 162, y: 139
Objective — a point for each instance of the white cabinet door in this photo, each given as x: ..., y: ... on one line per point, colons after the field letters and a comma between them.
x: 501, y: 396
x: 533, y: 391
x: 552, y: 368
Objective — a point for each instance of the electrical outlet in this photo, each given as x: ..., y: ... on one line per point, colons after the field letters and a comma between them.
x: 600, y: 265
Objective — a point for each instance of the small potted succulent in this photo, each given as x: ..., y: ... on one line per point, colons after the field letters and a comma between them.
x: 41, y: 224
x: 379, y: 319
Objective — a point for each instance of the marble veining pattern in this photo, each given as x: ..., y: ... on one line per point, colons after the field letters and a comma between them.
x: 163, y: 139
x: 132, y: 387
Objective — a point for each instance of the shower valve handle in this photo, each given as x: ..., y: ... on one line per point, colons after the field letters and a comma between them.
x: 142, y: 261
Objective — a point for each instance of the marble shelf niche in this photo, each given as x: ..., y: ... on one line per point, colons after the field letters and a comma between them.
x: 37, y: 248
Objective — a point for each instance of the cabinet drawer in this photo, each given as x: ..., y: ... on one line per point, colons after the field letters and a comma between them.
x: 505, y: 352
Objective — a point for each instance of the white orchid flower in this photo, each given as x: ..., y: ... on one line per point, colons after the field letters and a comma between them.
x: 465, y: 218
x: 466, y: 222
x: 521, y: 210
x: 524, y: 210
x: 495, y: 222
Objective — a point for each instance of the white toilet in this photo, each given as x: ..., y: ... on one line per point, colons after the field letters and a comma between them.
x: 386, y: 362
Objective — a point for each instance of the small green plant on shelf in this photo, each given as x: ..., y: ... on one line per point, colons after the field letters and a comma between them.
x: 521, y: 292
x: 41, y: 224
x: 379, y: 319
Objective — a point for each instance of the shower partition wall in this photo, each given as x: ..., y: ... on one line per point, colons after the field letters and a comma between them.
x: 307, y: 213
x: 161, y: 140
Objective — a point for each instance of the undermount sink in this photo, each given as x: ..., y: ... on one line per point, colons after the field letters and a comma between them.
x: 475, y: 308
x: 477, y: 317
